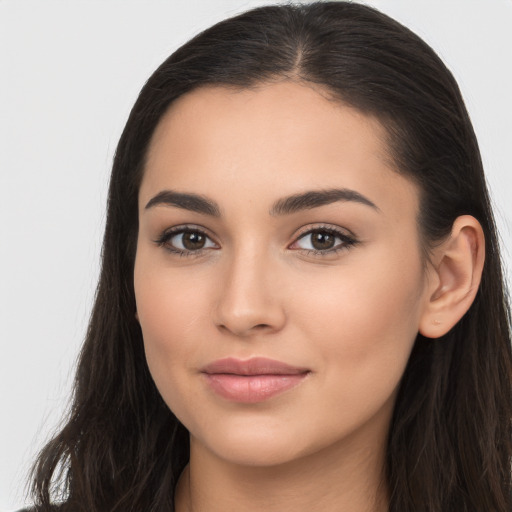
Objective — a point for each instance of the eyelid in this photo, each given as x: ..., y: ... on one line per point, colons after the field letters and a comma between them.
x: 327, y: 227
x: 348, y: 239
x: 168, y: 233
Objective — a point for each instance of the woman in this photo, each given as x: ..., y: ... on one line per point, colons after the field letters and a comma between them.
x: 301, y: 305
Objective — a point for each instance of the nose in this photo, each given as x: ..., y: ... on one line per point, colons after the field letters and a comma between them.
x: 249, y: 302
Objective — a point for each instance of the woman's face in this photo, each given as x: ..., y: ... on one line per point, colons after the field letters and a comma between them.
x: 272, y: 225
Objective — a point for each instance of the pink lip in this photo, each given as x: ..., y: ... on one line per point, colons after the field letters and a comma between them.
x: 253, y: 380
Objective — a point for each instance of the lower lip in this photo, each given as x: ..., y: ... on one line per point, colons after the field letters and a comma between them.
x: 252, y: 389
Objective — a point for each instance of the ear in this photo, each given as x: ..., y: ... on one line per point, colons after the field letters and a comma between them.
x: 454, y: 277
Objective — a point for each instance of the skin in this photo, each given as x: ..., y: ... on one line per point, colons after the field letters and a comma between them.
x: 349, y: 317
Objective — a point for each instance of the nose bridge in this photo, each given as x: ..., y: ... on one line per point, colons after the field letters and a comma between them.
x: 248, y: 299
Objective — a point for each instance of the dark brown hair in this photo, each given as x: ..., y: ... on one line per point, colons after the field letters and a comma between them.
x: 449, y: 449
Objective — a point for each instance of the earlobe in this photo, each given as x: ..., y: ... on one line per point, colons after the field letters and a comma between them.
x: 457, y: 268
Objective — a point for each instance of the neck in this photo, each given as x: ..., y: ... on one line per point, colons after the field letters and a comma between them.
x: 345, y: 477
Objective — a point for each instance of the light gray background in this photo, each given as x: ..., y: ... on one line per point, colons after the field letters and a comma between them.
x: 70, y: 71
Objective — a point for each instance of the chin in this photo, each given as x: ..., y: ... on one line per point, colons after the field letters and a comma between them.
x: 260, y: 444
x: 258, y: 452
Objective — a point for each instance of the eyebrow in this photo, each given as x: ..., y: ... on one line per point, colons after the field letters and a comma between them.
x: 284, y: 206
x: 316, y: 198
x: 192, y: 202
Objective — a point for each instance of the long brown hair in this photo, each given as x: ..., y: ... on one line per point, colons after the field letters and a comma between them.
x: 449, y: 448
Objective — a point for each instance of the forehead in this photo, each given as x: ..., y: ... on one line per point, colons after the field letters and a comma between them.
x: 274, y: 140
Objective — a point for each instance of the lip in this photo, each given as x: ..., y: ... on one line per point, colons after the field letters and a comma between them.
x: 253, y: 380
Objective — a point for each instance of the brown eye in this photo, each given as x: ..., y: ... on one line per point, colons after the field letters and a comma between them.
x: 185, y: 241
x: 321, y: 240
x: 192, y: 240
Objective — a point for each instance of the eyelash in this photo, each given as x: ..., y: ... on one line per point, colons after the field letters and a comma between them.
x: 347, y: 241
x: 165, y: 237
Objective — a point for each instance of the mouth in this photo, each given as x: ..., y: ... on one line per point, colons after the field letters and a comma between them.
x: 253, y: 380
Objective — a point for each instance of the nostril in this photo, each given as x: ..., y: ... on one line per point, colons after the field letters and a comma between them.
x: 242, y: 317
x: 245, y: 330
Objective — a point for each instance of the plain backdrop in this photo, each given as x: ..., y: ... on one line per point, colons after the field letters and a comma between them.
x: 70, y: 71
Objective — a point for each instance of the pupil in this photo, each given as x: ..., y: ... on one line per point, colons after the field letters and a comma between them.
x: 322, y: 240
x: 193, y: 241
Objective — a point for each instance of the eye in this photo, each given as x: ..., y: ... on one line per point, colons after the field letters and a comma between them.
x: 323, y: 240
x: 185, y: 241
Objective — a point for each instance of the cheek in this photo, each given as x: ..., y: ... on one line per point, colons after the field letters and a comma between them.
x: 364, y: 327
x: 170, y: 314
x: 355, y: 323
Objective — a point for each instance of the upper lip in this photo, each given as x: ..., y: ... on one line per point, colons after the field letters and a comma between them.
x: 253, y: 366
